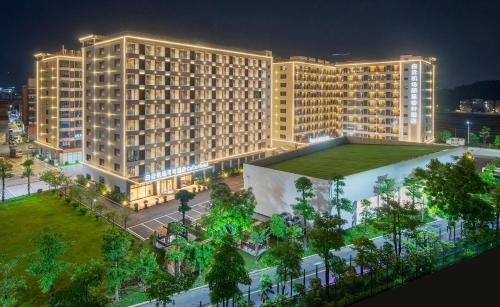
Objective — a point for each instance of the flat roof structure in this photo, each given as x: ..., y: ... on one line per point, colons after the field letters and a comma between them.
x: 349, y: 159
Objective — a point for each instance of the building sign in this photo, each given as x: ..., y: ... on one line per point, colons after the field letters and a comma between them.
x: 175, y: 172
x: 414, y: 94
x: 319, y: 139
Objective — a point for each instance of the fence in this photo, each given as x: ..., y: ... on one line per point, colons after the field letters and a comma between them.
x: 351, y: 289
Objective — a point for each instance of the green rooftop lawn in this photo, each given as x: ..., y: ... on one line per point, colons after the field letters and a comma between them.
x: 25, y: 217
x: 352, y: 158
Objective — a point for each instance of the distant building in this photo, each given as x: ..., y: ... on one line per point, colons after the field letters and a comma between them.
x: 480, y: 105
x: 9, y: 96
x: 59, y: 105
x: 28, y: 107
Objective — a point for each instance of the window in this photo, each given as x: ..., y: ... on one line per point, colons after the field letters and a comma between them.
x: 283, y: 76
x: 101, y: 162
x: 116, y: 48
x: 117, y: 167
x: 282, y: 93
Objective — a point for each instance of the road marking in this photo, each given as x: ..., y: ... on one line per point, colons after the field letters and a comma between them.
x: 136, y: 234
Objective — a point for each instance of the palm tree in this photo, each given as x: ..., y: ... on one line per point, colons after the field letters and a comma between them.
x: 184, y: 196
x: 28, y: 172
x: 5, y: 172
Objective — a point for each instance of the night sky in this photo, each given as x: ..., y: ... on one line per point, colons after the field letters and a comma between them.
x: 463, y: 35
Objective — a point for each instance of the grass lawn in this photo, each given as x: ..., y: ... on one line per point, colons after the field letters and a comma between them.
x: 352, y: 158
x: 25, y: 217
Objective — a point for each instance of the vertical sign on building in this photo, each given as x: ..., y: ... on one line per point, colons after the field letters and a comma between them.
x: 414, y: 75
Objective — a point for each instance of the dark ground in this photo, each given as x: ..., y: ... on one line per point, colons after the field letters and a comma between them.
x: 473, y: 282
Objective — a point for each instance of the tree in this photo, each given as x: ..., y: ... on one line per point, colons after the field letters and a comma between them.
x: 497, y: 141
x: 45, y: 262
x: 485, y: 134
x: 259, y: 237
x: 230, y: 213
x: 111, y: 216
x: 424, y: 248
x: 493, y: 195
x: 377, y: 187
x: 326, y: 235
x: 10, y: 283
x: 201, y: 254
x: 278, y: 227
x: 87, y: 287
x: 265, y: 288
x: 453, y: 189
x: 304, y: 187
x: 115, y: 249
x: 388, y: 189
x: 287, y: 257
x: 163, y: 285
x: 366, y: 214
x: 184, y: 196
x: 226, y: 272
x: 5, y: 172
x: 473, y: 138
x: 81, y: 180
x: 125, y: 216
x: 77, y: 192
x: 28, y: 172
x: 414, y: 187
x: 98, y: 209
x: 444, y: 135
x: 394, y: 219
x: 366, y: 253
x: 341, y: 204
x: 144, y: 266
x: 179, y: 247
x: 49, y: 177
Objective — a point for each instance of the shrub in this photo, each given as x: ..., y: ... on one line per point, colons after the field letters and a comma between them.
x: 117, y: 196
x: 67, y: 200
x: 83, y: 210
x: 75, y: 204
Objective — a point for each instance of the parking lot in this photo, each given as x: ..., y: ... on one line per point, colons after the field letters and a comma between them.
x: 146, y: 221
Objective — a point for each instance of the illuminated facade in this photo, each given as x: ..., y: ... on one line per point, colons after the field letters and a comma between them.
x: 28, y: 110
x: 314, y: 100
x: 160, y: 112
x: 59, y: 105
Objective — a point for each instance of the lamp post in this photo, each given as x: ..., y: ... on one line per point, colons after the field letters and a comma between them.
x: 468, y: 132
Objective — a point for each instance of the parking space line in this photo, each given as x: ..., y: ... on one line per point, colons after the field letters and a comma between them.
x: 135, y: 234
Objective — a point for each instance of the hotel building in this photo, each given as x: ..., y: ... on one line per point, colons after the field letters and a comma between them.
x: 159, y: 112
x: 314, y: 100
x: 59, y: 105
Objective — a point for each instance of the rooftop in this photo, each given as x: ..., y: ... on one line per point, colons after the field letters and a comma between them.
x: 310, y: 60
x: 170, y: 40
x: 352, y: 158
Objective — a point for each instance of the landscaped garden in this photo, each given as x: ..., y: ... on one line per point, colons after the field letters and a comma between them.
x: 80, y: 258
x: 26, y: 217
x: 352, y: 158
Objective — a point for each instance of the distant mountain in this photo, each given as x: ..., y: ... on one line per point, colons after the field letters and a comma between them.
x: 450, y: 98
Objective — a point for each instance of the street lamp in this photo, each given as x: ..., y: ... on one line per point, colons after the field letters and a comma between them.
x: 468, y: 132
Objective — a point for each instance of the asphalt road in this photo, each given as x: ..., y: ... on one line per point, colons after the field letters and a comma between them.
x: 200, y: 296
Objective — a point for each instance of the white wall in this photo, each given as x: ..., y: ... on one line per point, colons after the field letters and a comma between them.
x: 275, y: 190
